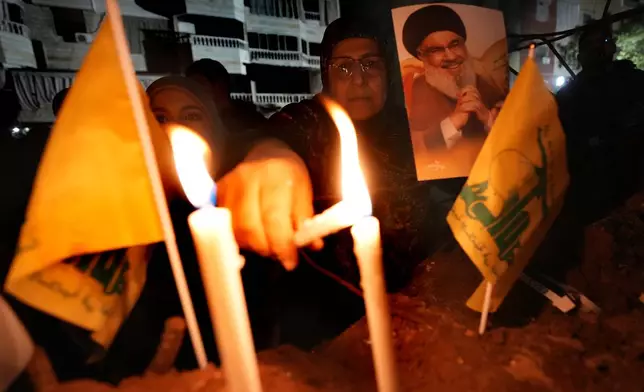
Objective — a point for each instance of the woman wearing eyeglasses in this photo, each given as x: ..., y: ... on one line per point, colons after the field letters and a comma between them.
x: 286, y: 179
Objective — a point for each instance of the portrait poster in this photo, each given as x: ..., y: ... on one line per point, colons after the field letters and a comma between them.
x: 454, y: 68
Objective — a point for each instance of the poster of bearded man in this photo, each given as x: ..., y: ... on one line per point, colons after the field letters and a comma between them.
x: 454, y: 68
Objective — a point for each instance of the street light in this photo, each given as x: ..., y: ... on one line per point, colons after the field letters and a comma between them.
x: 560, y: 81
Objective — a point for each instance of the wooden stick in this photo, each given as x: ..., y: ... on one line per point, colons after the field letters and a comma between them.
x: 531, y: 51
x: 486, y: 307
x: 133, y: 91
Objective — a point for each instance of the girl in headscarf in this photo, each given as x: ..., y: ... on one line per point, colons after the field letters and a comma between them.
x: 182, y: 101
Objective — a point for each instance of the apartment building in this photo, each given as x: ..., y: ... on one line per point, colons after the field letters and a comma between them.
x: 270, y: 47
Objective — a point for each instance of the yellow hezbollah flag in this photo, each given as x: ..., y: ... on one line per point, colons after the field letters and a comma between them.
x: 82, y: 249
x: 515, y: 189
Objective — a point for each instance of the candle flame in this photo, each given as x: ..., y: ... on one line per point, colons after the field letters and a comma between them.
x: 354, y: 187
x: 191, y: 154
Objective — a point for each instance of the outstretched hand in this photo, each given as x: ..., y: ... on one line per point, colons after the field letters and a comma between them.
x: 269, y: 195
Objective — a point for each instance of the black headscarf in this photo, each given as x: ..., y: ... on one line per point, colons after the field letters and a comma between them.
x: 428, y: 20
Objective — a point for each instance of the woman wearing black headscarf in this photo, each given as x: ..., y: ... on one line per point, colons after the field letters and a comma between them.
x: 355, y: 74
x: 274, y: 188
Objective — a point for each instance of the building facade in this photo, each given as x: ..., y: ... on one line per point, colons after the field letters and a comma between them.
x: 270, y: 47
x: 574, y: 13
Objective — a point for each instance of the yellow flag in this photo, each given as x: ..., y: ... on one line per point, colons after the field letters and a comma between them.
x: 82, y: 251
x: 515, y: 189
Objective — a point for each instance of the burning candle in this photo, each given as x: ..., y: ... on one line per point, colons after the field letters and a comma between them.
x: 356, y: 202
x: 356, y: 205
x: 219, y: 260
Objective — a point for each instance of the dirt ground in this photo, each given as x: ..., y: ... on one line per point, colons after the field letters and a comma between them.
x: 530, y: 346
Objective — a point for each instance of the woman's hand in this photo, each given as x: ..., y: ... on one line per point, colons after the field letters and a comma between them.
x: 269, y: 195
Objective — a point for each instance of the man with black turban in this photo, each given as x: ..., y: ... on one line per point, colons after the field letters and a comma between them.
x: 449, y: 103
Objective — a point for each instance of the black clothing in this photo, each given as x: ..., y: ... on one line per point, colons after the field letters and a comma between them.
x: 400, y: 202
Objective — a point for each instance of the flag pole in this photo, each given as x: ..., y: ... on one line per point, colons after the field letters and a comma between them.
x: 531, y: 52
x: 489, y: 287
x: 155, y: 180
x: 486, y: 307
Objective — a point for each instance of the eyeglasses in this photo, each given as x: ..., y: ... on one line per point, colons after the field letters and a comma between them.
x: 434, y: 51
x: 346, y: 66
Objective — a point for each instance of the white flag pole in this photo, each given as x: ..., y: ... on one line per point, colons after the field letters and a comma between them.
x: 486, y: 307
x: 489, y: 288
x: 133, y: 91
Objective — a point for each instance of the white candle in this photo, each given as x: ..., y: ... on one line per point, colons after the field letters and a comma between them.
x: 368, y: 251
x: 221, y: 265
x: 338, y: 217
x: 219, y: 261
x: 355, y: 210
x: 356, y: 202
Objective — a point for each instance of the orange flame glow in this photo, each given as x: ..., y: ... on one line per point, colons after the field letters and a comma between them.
x: 191, y: 154
x: 354, y: 187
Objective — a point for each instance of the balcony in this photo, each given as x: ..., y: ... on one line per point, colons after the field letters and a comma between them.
x: 231, y: 52
x: 268, y: 99
x: 284, y: 58
x: 308, y: 29
x: 15, y: 45
x: 221, y: 42
x: 233, y: 9
x: 14, y: 28
x: 36, y: 89
x: 309, y: 15
x: 128, y: 7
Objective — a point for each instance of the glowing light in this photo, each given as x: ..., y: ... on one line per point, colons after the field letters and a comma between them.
x: 354, y: 187
x: 560, y: 81
x: 191, y: 154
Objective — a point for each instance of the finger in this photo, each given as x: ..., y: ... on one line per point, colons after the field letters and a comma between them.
x: 247, y: 222
x: 470, y: 89
x: 469, y: 107
x: 467, y: 90
x: 471, y: 94
x: 467, y: 99
x: 276, y: 206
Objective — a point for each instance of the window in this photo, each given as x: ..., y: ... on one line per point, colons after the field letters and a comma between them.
x: 315, y: 49
x: 311, y: 5
x: 290, y: 43
x: 68, y: 22
x: 216, y: 27
x: 273, y: 42
x: 305, y: 47
x: 253, y: 40
x: 15, y: 13
x: 278, y: 8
